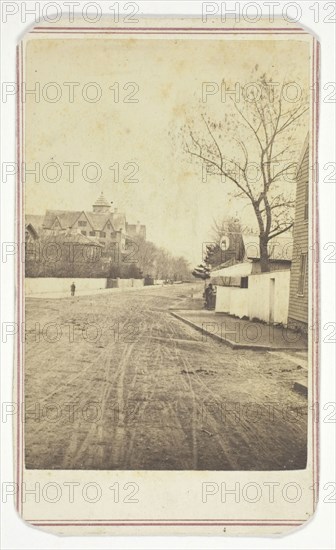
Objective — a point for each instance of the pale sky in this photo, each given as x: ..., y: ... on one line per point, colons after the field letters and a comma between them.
x: 170, y: 197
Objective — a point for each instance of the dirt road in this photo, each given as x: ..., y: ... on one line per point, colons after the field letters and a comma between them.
x: 116, y: 382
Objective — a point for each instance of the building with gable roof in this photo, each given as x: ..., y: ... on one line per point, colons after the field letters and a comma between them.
x: 101, y: 237
x: 241, y: 284
x: 243, y: 258
x: 108, y: 227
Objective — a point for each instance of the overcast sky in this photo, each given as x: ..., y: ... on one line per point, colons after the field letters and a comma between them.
x: 170, y: 196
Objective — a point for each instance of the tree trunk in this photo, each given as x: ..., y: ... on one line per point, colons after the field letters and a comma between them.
x: 264, y: 260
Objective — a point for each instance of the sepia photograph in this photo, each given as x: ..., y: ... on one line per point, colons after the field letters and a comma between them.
x: 167, y: 206
x: 168, y: 253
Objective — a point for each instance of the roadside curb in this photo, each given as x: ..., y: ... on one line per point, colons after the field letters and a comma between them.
x: 229, y: 343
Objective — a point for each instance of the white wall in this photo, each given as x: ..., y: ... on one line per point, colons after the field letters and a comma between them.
x: 223, y: 299
x: 259, y: 296
x: 40, y: 285
x: 239, y: 302
x: 37, y: 285
x: 254, y: 301
x: 232, y: 300
x: 128, y: 283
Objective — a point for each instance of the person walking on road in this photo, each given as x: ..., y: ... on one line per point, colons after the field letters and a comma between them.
x: 73, y: 289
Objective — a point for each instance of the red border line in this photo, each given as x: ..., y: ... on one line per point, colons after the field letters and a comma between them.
x: 158, y: 524
x: 21, y: 264
x: 160, y: 33
x: 17, y: 221
x: 177, y: 29
x: 316, y: 344
x: 317, y: 293
x: 228, y: 521
x: 312, y: 305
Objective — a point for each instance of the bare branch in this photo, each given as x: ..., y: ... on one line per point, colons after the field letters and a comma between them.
x: 255, y: 133
x: 272, y: 235
x: 278, y: 174
x: 215, y: 141
x: 287, y: 204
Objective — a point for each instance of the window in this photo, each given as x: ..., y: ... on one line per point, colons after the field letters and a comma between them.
x: 82, y: 223
x: 302, y: 277
x: 102, y: 234
x: 305, y: 215
x: 83, y: 233
x: 92, y: 233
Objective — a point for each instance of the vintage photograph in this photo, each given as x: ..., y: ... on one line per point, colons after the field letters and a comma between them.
x: 167, y: 210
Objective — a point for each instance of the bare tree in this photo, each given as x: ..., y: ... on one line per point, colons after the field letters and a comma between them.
x: 158, y: 262
x: 255, y: 148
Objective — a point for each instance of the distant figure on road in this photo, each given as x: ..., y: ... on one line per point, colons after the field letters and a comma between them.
x: 73, y: 289
x: 208, y: 295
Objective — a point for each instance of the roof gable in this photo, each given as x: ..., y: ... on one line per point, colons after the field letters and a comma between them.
x: 98, y: 220
x: 66, y: 218
x: 109, y: 222
x: 81, y: 216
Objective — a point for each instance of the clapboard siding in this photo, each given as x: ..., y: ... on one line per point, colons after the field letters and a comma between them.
x: 298, y: 305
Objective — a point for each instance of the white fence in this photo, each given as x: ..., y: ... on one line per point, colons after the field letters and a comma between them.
x: 239, y: 302
x: 223, y: 296
x: 49, y: 285
x: 129, y: 283
x: 266, y: 298
x: 40, y: 285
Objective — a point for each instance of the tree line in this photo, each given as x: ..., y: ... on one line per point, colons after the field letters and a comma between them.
x: 60, y: 256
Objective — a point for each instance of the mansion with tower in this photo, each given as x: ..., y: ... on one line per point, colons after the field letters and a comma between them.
x: 101, y: 226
